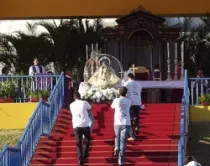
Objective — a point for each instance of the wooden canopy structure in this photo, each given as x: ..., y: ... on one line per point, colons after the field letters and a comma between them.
x: 24, y: 9
x: 141, y: 38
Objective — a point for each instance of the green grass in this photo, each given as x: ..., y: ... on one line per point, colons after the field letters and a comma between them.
x: 199, y: 142
x: 9, y: 137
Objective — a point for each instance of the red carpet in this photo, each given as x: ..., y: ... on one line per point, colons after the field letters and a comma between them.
x: 156, y: 145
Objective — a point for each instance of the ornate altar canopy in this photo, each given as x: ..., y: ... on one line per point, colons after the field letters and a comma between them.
x: 145, y: 40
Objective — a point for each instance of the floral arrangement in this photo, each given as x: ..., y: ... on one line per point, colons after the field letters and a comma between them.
x: 100, y: 94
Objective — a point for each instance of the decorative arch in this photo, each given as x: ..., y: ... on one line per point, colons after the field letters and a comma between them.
x: 141, y: 29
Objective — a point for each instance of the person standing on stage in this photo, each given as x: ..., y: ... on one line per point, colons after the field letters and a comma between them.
x: 80, y: 121
x: 68, y: 89
x: 122, y: 123
x: 134, y: 94
x: 36, y: 68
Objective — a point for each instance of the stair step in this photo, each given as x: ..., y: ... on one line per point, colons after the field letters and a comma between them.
x: 67, y: 137
x: 109, y: 160
x: 106, y: 164
x: 156, y: 144
x: 109, y: 142
x: 128, y: 153
x: 108, y: 148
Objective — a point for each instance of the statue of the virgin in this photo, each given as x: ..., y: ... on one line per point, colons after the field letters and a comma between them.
x: 104, y: 77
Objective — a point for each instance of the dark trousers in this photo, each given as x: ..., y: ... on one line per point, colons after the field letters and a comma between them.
x: 134, y: 114
x: 79, y: 132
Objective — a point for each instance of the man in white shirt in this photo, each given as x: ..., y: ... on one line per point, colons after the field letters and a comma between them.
x: 122, y: 123
x: 80, y: 122
x: 134, y: 94
x: 36, y: 68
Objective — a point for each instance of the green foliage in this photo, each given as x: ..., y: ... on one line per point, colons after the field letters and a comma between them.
x: 45, y: 93
x: 69, y: 39
x: 204, y: 98
x: 63, y: 43
x: 197, y: 46
x: 40, y: 94
x: 8, y: 89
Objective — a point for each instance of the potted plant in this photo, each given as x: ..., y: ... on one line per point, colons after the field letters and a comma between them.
x: 204, y: 99
x: 35, y: 96
x: 7, y: 92
x: 45, y: 94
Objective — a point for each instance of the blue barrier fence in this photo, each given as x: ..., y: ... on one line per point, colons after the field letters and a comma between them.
x: 40, y: 124
x: 198, y: 87
x: 24, y: 86
x: 184, y: 121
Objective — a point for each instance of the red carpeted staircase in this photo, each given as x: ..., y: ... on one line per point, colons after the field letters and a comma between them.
x: 156, y: 145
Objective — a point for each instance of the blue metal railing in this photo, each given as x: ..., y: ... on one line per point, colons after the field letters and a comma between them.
x: 198, y: 86
x: 25, y: 84
x: 40, y: 124
x: 184, y: 121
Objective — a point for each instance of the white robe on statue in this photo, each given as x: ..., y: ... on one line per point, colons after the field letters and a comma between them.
x: 104, y: 77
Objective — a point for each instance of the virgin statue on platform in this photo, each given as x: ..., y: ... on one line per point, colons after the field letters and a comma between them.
x: 104, y: 77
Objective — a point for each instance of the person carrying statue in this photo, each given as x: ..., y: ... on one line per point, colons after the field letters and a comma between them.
x: 122, y: 123
x: 80, y: 111
x: 134, y: 94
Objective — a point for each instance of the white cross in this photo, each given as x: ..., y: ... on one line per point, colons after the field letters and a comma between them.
x: 133, y: 68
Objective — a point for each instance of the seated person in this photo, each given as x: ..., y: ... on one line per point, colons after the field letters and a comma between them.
x: 36, y: 68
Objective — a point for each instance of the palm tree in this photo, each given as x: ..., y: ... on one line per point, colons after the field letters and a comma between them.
x: 197, y: 43
x: 20, y: 48
x: 69, y: 38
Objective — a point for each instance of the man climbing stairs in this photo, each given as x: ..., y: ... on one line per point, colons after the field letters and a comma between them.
x: 156, y: 144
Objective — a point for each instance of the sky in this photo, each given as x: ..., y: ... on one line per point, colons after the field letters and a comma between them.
x: 7, y: 27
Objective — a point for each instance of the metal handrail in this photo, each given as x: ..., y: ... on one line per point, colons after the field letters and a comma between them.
x: 40, y: 124
x: 183, y: 122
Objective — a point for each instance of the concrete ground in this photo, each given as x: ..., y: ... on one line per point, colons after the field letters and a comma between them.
x: 199, y: 142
